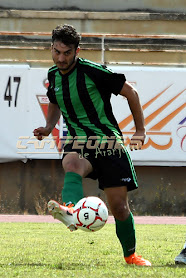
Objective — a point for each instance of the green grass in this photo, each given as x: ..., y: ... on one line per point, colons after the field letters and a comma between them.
x: 32, y: 250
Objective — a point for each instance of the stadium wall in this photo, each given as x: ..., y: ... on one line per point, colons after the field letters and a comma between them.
x: 96, y: 5
x: 25, y: 188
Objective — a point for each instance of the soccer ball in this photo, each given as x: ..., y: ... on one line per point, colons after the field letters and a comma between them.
x: 90, y: 214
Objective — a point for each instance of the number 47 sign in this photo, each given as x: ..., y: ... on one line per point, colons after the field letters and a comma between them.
x: 9, y: 92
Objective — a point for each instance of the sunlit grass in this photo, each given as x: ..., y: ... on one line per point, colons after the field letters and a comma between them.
x: 49, y: 250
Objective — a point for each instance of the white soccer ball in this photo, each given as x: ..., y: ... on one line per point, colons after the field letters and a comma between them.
x: 90, y: 214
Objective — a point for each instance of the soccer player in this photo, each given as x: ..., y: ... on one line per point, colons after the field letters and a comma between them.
x: 81, y: 91
x: 181, y: 258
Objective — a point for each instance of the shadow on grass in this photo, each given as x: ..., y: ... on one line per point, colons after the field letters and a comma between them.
x: 75, y: 266
x: 174, y: 265
x: 81, y: 266
x: 62, y: 266
x: 169, y: 265
x: 24, y: 264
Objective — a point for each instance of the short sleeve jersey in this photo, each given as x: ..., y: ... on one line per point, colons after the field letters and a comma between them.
x: 83, y: 96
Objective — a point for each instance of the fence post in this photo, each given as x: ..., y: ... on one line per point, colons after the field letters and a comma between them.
x: 103, y: 50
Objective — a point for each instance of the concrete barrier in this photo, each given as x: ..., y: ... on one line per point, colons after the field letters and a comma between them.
x: 31, y: 185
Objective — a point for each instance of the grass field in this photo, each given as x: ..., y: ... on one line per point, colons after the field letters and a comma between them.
x: 32, y: 250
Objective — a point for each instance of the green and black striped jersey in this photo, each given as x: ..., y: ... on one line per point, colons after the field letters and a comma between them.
x: 83, y: 96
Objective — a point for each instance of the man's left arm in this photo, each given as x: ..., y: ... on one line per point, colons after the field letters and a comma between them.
x: 130, y: 93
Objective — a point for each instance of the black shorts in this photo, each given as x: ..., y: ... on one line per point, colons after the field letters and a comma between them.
x: 112, y: 167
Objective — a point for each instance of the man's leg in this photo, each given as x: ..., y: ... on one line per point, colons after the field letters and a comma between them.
x: 125, y: 230
x: 181, y: 258
x: 72, y: 190
x: 75, y: 168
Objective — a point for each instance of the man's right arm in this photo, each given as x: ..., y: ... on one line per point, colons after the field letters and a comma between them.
x: 53, y: 116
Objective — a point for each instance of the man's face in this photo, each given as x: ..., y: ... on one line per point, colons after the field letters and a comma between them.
x: 64, y: 56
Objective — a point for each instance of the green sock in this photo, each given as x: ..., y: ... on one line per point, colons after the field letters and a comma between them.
x: 125, y: 232
x: 72, y: 189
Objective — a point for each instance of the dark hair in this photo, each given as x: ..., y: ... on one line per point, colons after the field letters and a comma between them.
x: 66, y: 34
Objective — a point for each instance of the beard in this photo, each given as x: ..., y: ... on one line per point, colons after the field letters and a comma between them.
x: 66, y: 66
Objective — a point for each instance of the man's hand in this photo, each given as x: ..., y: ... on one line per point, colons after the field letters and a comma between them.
x: 41, y: 132
x: 137, y: 140
x: 53, y: 116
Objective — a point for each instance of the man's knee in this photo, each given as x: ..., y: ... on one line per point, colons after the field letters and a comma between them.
x: 73, y: 163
